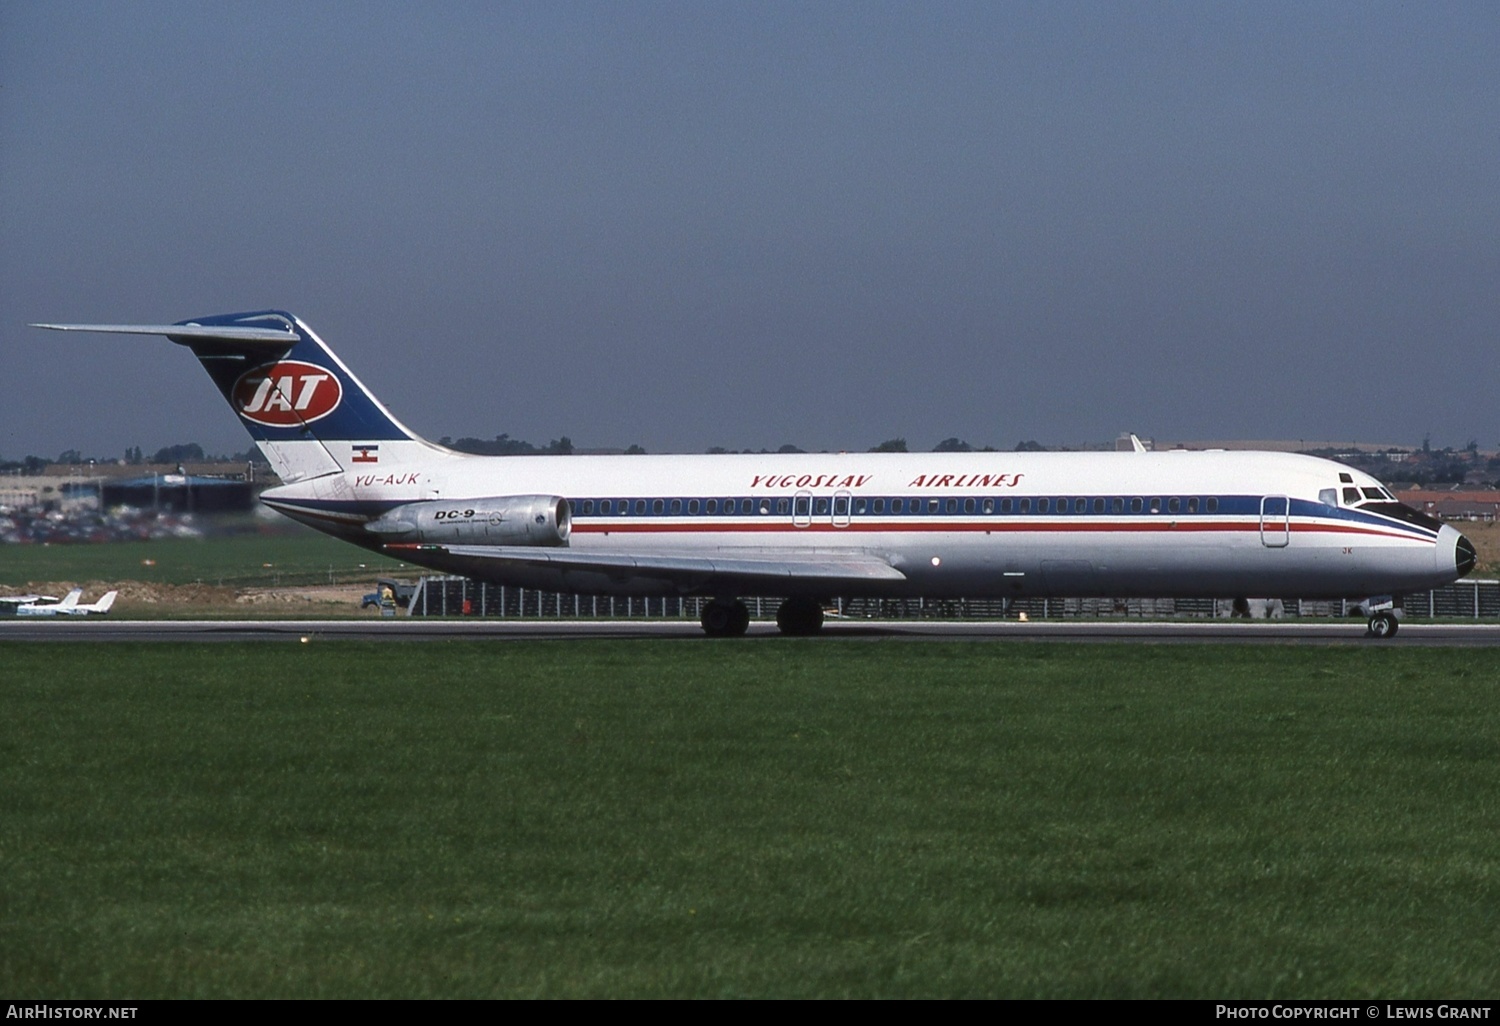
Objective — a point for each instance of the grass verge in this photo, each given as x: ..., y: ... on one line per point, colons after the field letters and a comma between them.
x: 673, y: 818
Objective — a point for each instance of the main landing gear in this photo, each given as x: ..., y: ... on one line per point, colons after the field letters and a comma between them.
x: 728, y: 618
x: 800, y: 616
x: 725, y: 618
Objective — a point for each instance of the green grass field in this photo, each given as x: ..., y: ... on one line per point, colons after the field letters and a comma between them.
x: 281, y: 557
x: 769, y: 818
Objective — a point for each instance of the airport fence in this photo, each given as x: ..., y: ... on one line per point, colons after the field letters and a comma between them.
x: 460, y: 596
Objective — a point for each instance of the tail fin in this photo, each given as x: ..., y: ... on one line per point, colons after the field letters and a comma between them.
x: 307, y: 411
x: 102, y: 606
x: 71, y: 599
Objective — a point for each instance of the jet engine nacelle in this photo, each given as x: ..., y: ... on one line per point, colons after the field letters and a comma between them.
x: 497, y: 520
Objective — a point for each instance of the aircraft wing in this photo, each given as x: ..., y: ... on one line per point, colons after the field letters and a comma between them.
x: 690, y: 570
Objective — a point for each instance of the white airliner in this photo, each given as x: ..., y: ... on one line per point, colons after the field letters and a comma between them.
x: 806, y: 527
x: 45, y: 605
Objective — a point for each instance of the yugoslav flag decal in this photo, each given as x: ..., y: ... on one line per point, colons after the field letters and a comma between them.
x: 287, y: 393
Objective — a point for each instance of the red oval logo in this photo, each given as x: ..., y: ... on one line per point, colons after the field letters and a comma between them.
x: 287, y: 394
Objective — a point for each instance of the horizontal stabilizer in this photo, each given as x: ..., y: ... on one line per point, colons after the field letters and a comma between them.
x: 270, y: 338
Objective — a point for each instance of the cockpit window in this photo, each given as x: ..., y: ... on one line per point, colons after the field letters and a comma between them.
x: 1351, y: 496
x: 1401, y: 511
x: 1373, y: 493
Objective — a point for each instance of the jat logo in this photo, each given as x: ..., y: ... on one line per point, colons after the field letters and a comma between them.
x: 287, y: 394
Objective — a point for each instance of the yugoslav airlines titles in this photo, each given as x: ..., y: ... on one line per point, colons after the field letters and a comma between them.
x: 782, y: 482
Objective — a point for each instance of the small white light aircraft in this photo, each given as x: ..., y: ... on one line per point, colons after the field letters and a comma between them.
x: 810, y: 526
x: 46, y: 605
x: 22, y: 599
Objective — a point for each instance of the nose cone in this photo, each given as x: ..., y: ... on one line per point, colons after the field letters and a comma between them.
x: 1456, y: 553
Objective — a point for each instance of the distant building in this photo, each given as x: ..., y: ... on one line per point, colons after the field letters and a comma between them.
x: 180, y: 493
x: 14, y: 495
x: 1453, y: 504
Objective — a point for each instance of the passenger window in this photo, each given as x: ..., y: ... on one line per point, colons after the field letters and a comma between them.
x: 820, y: 507
x: 692, y: 507
x: 801, y: 506
x: 898, y: 505
x: 1212, y: 505
x: 1193, y: 504
x: 988, y: 506
x: 1005, y: 506
x: 1174, y: 504
x: 879, y: 506
x: 1136, y: 505
x: 711, y: 506
x: 1098, y: 505
x: 951, y: 506
x: 765, y: 506
x: 1043, y: 505
x: 605, y: 506
x: 1025, y: 505
x: 783, y: 507
x: 860, y: 506
x: 1156, y: 505
x: 1117, y: 505
x: 1080, y: 505
x: 640, y: 507
x: 658, y: 506
x: 968, y: 505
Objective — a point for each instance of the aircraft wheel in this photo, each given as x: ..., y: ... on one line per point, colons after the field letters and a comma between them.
x: 725, y: 619
x: 1383, y: 625
x: 800, y: 616
x: 741, y: 621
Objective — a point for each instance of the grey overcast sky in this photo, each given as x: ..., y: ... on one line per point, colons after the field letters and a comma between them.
x: 744, y: 224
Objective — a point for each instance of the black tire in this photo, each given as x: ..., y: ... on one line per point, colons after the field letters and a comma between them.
x: 725, y: 619
x: 1384, y: 625
x: 717, y: 616
x: 741, y: 622
x: 800, y: 617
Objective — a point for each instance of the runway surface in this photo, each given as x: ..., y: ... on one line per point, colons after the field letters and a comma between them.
x: 1277, y: 632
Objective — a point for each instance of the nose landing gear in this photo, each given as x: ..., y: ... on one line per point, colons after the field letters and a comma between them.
x: 1382, y: 613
